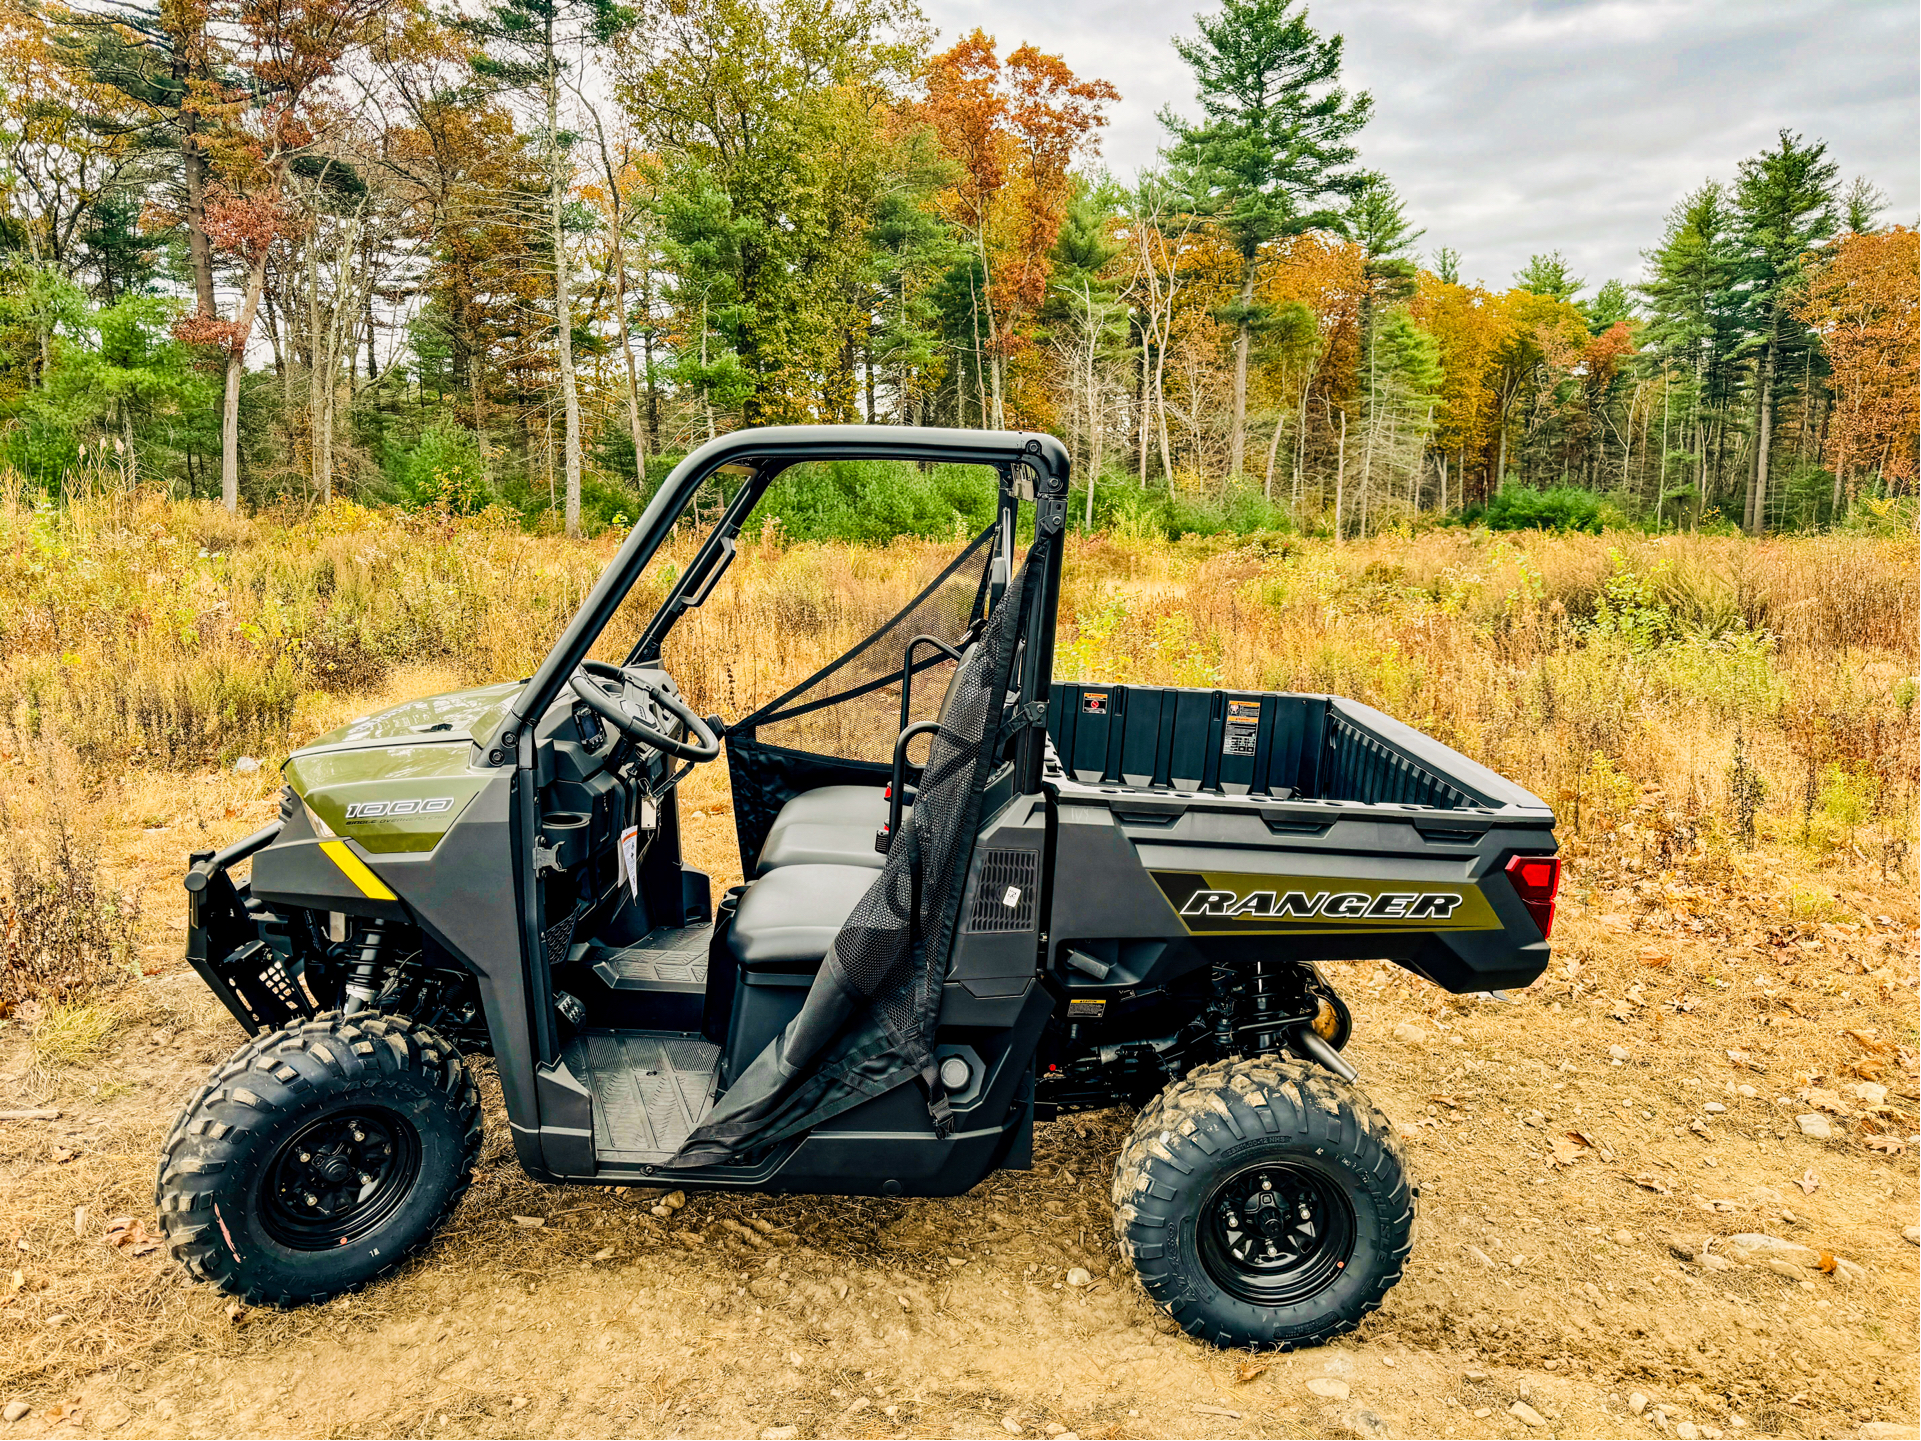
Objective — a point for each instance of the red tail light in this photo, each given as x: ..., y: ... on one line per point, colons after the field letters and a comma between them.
x: 1536, y: 880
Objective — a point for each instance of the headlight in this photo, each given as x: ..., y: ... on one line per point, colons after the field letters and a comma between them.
x: 320, y: 827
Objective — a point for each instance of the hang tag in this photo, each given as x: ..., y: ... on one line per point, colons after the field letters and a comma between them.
x: 630, y: 860
x: 649, y: 814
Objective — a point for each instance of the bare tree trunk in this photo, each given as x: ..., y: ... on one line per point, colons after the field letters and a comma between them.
x: 647, y: 359
x: 1273, y: 451
x: 1757, y: 504
x: 563, y: 312
x: 620, y: 300
x: 1142, y: 410
x: 316, y: 469
x: 230, y: 401
x: 199, y: 248
x: 627, y: 353
x: 1340, y: 478
x: 1243, y: 339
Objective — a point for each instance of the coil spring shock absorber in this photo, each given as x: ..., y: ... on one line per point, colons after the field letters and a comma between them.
x: 364, y: 976
x: 1251, y: 1008
x: 1262, y: 1003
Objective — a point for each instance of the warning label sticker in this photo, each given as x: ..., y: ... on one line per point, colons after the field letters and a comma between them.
x: 1243, y: 725
x: 1094, y: 702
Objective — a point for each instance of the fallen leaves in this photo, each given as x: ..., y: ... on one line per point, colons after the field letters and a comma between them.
x: 1565, y: 1150
x: 1810, y: 1182
x: 125, y: 1233
x: 1649, y: 1182
x: 1251, y: 1369
x: 66, y: 1413
x: 1887, y: 1145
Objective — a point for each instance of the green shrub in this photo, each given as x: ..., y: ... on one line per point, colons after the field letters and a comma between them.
x: 1563, y: 508
x: 1120, y: 505
x: 875, y: 501
x: 445, y: 470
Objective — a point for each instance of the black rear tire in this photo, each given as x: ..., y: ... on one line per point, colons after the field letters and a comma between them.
x: 319, y: 1158
x: 1264, y: 1203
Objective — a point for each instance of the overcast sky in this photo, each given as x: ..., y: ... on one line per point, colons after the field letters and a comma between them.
x: 1517, y: 126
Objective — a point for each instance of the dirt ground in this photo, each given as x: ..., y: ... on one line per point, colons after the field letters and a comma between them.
x: 1586, y: 1157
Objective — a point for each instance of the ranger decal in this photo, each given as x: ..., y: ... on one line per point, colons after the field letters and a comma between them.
x: 1344, y: 906
x: 1256, y: 903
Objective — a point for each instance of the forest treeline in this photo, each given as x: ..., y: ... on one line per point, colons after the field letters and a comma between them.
x: 526, y: 252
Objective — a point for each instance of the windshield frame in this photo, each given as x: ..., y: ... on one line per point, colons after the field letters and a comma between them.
x: 770, y: 450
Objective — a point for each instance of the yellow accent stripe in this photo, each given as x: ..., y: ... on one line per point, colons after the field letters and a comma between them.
x: 370, y: 884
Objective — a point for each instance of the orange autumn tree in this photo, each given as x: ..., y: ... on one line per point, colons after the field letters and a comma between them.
x: 1864, y: 302
x: 1471, y: 327
x: 1310, y: 374
x: 270, y: 106
x: 1013, y: 129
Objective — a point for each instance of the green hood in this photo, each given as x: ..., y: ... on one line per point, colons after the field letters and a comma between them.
x: 458, y: 715
x: 397, y: 779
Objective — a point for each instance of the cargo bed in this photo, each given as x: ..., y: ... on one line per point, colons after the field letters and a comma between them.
x: 1305, y: 817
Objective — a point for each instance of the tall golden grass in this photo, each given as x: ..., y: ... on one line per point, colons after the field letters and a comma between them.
x: 1765, y: 688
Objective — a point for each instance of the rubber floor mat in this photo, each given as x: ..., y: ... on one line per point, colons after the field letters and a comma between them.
x: 649, y: 1091
x: 668, y: 957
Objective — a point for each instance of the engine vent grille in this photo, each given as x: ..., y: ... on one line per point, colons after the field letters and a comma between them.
x: 1008, y: 894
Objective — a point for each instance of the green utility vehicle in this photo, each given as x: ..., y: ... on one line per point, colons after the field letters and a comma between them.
x: 1077, y: 896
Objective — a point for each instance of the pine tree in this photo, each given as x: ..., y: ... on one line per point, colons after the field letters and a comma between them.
x: 1861, y: 206
x: 1549, y: 275
x: 1377, y: 222
x: 1272, y: 156
x: 1693, y: 326
x: 1785, y: 202
x: 1611, y: 305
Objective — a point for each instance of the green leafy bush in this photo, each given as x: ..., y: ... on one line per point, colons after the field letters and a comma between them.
x: 1564, y: 508
x: 445, y: 470
x: 875, y: 501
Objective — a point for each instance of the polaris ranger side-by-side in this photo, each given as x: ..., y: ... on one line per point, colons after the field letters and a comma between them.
x: 1081, y: 895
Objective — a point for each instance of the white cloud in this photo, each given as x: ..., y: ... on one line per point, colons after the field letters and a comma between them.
x: 1516, y: 126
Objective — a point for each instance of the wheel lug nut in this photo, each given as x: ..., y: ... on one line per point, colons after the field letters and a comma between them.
x: 306, y: 1156
x: 312, y: 1199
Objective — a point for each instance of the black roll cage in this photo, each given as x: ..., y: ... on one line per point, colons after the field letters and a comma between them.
x: 769, y: 450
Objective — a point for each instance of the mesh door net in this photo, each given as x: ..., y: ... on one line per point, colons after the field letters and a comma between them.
x: 868, y: 1022
x: 851, y: 709
x: 839, y: 725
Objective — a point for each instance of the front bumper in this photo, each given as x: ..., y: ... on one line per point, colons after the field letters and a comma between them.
x: 224, y: 944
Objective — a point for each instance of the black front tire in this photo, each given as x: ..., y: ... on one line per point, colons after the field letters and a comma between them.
x: 1245, y: 1144
x: 319, y: 1158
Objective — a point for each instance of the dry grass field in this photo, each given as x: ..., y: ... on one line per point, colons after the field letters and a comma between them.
x: 1726, y: 728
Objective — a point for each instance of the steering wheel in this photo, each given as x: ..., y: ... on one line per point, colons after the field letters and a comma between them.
x: 609, y: 707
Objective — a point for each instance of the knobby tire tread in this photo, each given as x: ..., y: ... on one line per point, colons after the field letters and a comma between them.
x: 1219, y: 1105
x: 268, y: 1074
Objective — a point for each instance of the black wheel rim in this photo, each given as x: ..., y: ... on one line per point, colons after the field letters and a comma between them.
x: 1276, y: 1233
x: 339, y: 1178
